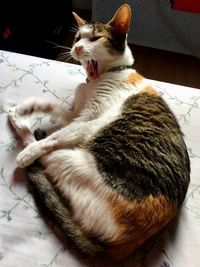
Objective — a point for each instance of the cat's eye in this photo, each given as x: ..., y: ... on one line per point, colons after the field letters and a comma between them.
x: 95, y: 38
x: 77, y: 38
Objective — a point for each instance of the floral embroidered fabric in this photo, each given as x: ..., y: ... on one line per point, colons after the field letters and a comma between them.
x: 25, y: 238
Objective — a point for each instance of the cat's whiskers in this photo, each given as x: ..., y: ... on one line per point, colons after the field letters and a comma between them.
x: 74, y: 29
x: 59, y: 46
x: 116, y: 161
x: 93, y: 56
x: 90, y: 55
x: 86, y: 56
x: 65, y: 56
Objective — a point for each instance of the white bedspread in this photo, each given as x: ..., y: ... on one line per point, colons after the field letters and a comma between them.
x: 25, y: 239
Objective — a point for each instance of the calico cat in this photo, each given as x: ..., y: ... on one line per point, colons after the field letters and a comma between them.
x: 117, y: 171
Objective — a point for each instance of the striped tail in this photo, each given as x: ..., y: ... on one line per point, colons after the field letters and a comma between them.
x: 58, y: 211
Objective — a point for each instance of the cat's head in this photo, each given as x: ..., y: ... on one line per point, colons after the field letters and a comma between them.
x: 102, y: 46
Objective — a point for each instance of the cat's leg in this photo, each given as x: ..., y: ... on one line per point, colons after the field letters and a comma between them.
x: 19, y: 120
x: 36, y: 104
x: 79, y: 181
x: 21, y: 126
x: 61, y: 114
x: 76, y: 133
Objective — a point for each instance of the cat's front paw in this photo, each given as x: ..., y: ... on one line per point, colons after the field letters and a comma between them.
x: 28, y: 155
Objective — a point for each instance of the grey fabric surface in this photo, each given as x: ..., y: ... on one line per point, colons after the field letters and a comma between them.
x: 155, y: 24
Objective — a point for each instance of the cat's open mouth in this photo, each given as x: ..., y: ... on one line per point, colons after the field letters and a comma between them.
x: 92, y: 69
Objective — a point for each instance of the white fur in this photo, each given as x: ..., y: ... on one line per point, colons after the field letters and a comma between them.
x: 96, y: 104
x: 100, y: 108
x: 80, y: 181
x: 97, y: 51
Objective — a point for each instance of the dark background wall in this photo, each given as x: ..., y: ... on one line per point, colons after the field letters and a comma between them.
x: 29, y: 26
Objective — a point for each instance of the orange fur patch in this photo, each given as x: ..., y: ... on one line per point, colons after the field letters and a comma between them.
x: 121, y: 19
x: 138, y: 221
x: 149, y: 90
x: 134, y: 78
x: 103, y: 39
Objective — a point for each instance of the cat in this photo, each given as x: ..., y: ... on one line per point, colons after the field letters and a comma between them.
x: 118, y: 170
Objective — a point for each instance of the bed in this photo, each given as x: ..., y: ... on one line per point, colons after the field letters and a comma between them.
x: 25, y: 238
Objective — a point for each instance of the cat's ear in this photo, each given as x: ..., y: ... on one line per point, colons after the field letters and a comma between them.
x: 79, y: 20
x: 121, y: 20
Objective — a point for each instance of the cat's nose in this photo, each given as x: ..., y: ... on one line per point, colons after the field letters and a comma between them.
x: 78, y: 49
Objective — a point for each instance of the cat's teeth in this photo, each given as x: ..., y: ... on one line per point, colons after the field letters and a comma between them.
x: 92, y: 68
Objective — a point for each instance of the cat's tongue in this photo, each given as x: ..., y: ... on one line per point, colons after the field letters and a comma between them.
x: 92, y: 69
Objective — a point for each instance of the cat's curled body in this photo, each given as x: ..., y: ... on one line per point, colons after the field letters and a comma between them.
x: 120, y: 161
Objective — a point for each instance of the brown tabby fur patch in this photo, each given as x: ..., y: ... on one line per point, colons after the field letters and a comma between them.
x: 114, y: 43
x: 141, y: 157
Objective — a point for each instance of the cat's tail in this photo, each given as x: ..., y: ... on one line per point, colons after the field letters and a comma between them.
x: 50, y: 200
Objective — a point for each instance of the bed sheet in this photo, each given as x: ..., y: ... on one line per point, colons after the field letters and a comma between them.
x: 25, y: 239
